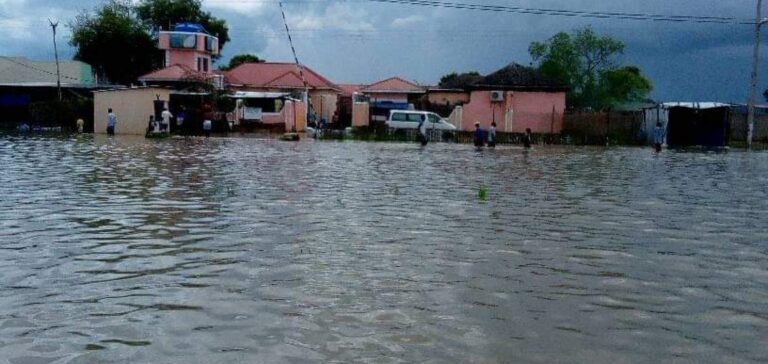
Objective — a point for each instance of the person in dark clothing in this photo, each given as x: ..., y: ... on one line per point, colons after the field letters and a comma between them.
x: 527, y: 138
x: 658, y: 137
x: 151, y: 125
x: 421, y: 136
x: 479, y: 136
x: 492, y: 136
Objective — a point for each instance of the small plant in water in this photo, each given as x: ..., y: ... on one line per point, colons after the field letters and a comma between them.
x: 482, y: 194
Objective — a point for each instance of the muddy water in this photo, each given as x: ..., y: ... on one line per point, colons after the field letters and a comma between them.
x: 250, y: 250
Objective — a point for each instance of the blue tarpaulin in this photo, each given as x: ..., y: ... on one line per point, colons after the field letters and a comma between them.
x: 14, y: 100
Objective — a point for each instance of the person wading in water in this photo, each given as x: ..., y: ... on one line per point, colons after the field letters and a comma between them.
x: 527, y: 139
x: 422, y: 131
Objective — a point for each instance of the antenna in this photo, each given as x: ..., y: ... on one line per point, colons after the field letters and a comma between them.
x: 56, y: 54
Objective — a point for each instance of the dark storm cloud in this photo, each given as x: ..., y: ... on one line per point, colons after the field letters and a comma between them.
x: 360, y: 41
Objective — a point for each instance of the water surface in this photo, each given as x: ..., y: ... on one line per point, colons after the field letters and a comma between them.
x: 252, y: 250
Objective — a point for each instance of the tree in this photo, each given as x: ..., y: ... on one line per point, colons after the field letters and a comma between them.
x: 163, y: 14
x: 623, y: 84
x: 240, y: 59
x: 455, y: 80
x: 114, y: 43
x: 589, y: 64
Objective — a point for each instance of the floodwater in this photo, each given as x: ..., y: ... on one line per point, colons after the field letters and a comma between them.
x: 253, y: 250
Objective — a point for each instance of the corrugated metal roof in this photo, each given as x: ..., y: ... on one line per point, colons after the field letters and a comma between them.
x: 22, y: 71
x: 695, y: 105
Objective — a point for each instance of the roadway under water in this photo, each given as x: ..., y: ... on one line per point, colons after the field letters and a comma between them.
x: 252, y: 250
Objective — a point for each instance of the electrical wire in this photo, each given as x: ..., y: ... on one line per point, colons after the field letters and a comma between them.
x: 10, y: 59
x: 533, y: 11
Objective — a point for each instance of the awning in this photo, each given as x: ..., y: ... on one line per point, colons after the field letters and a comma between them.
x: 257, y: 95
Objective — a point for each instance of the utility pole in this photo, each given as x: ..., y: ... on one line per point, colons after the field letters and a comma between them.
x: 305, y: 97
x: 56, y: 54
x: 759, y: 22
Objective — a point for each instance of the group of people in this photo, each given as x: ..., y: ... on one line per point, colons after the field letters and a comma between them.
x: 154, y: 126
x: 159, y: 126
x: 481, y: 139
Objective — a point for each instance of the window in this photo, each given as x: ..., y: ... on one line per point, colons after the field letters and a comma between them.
x: 180, y: 40
x: 416, y: 118
x: 398, y: 116
x: 199, y: 64
x: 205, y: 64
x: 434, y: 118
x: 209, y: 44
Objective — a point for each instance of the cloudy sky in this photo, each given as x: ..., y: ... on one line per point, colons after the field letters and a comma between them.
x: 361, y: 41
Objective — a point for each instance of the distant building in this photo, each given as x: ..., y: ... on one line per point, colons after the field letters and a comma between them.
x: 691, y: 123
x: 392, y: 93
x: 515, y: 97
x: 189, y: 52
x: 24, y: 82
x: 188, y: 72
x: 132, y: 106
x: 22, y: 72
x: 270, y: 77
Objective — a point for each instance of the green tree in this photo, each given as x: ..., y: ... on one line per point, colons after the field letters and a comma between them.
x: 623, y: 84
x: 114, y: 43
x: 240, y: 59
x: 455, y: 80
x: 163, y: 14
x: 589, y: 64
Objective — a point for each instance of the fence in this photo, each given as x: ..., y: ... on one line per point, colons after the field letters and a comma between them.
x: 599, y: 128
x: 739, y: 127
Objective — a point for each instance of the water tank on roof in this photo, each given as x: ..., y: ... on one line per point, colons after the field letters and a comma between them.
x: 189, y: 27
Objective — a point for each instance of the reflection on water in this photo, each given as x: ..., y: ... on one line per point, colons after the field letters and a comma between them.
x: 243, y: 250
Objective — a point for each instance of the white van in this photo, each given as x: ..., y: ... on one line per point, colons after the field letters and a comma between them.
x: 408, y: 119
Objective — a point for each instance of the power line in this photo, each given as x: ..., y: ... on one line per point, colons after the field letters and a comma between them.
x: 10, y: 59
x: 615, y: 15
x: 571, y: 13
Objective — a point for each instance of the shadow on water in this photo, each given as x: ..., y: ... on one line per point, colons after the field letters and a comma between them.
x: 207, y: 250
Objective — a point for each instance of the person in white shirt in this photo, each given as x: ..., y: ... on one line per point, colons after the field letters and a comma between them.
x: 166, y: 119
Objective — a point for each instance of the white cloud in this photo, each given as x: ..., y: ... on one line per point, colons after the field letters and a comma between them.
x: 340, y: 16
x: 408, y: 21
x: 244, y: 7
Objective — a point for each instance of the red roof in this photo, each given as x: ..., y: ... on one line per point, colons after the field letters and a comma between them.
x: 277, y: 75
x: 175, y: 72
x: 394, y: 85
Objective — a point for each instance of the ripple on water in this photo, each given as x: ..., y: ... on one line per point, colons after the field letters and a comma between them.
x: 216, y: 250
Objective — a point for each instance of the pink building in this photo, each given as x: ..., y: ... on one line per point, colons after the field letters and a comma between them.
x: 516, y: 98
x: 286, y: 78
x: 394, y: 90
x: 385, y: 95
x: 189, y: 53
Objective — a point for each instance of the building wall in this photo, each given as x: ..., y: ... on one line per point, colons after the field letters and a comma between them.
x: 324, y: 103
x: 542, y: 112
x: 186, y: 58
x: 448, y: 97
x: 294, y: 123
x: 131, y: 106
x: 393, y: 97
x: 360, y: 114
